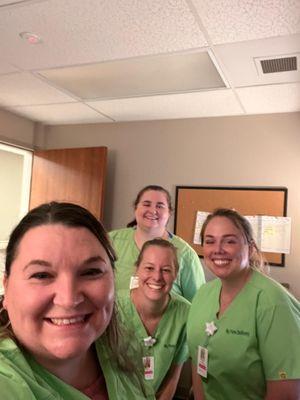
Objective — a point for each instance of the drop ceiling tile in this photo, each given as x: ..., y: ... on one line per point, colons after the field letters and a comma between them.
x: 24, y: 89
x: 6, y: 68
x: 239, y: 20
x: 70, y: 113
x: 238, y: 60
x: 95, y: 31
x: 270, y: 98
x: 6, y: 2
x: 188, y: 105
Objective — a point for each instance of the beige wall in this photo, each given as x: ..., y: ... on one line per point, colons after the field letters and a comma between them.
x: 243, y: 151
x: 16, y: 130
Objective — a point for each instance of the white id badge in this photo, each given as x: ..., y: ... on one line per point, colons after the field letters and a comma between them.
x: 134, y: 282
x: 148, y: 363
x: 202, y: 361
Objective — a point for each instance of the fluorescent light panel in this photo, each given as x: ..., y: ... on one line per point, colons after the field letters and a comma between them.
x: 174, y: 73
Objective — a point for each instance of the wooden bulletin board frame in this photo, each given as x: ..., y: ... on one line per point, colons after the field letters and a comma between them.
x: 246, y: 200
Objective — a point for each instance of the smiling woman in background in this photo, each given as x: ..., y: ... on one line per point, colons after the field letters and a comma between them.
x: 156, y: 318
x: 243, y: 328
x: 59, y: 336
x: 152, y: 212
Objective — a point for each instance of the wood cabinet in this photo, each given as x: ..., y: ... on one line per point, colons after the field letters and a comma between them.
x: 73, y: 175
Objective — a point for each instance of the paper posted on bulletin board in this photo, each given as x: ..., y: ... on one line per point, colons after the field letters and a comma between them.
x: 271, y: 234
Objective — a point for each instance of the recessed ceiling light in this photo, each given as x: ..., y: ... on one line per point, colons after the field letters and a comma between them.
x: 31, y: 38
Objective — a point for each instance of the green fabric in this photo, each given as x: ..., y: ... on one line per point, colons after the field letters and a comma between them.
x: 21, y: 378
x: 257, y: 339
x: 170, y: 347
x: 190, y: 275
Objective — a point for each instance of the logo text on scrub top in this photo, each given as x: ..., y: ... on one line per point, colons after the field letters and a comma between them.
x: 239, y: 332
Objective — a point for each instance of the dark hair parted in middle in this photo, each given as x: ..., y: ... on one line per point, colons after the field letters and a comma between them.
x: 155, y: 188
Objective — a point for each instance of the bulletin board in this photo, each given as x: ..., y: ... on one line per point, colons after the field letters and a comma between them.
x: 246, y: 200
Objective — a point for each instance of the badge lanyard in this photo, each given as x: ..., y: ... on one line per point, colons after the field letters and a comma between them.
x: 202, y: 359
x: 148, y: 361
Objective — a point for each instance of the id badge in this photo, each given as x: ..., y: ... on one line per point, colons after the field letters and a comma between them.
x: 202, y: 363
x: 148, y: 363
x: 134, y: 282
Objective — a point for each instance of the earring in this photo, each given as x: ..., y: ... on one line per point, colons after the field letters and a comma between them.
x: 3, y: 310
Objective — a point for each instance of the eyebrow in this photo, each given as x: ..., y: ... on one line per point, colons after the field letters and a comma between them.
x: 44, y: 263
x: 227, y: 235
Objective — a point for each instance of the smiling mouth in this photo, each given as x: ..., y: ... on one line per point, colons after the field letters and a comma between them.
x: 155, y: 287
x: 221, y: 262
x: 68, y: 321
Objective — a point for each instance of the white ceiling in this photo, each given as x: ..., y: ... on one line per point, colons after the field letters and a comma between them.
x: 132, y: 36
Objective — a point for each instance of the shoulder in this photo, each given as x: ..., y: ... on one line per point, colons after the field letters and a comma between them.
x: 183, y: 247
x: 270, y: 292
x: 179, y: 301
x: 14, y: 371
x: 206, y: 291
x: 121, y: 234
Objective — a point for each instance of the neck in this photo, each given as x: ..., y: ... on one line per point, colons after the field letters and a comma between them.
x: 78, y: 372
x: 149, y: 311
x: 231, y: 287
x: 236, y: 283
x: 142, y: 236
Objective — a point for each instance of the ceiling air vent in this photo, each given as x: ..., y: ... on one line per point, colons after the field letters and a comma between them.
x: 283, y: 64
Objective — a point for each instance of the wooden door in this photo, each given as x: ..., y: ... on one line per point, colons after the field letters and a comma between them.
x: 73, y: 175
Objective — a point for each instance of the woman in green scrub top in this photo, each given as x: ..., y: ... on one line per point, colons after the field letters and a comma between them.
x: 243, y: 328
x: 152, y: 208
x: 156, y: 318
x: 59, y: 337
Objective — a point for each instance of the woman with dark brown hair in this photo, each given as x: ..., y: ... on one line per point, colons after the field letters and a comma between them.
x: 59, y: 337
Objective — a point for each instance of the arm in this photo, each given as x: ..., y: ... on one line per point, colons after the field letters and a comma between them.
x: 169, y: 384
x: 197, y: 385
x: 283, y: 390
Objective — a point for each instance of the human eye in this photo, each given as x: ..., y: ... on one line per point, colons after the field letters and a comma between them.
x: 94, y: 272
x: 40, y: 275
x: 208, y: 241
x: 161, y: 206
x: 167, y: 270
x: 230, y: 240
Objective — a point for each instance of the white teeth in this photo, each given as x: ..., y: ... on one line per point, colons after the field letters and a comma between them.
x: 66, y: 321
x: 221, y: 262
x: 156, y: 287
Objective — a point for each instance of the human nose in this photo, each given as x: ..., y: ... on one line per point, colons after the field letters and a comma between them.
x: 157, y: 275
x: 67, y: 293
x: 219, y: 248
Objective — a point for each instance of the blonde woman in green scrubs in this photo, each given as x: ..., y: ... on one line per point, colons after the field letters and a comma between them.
x: 243, y: 327
x: 156, y: 318
x: 59, y: 337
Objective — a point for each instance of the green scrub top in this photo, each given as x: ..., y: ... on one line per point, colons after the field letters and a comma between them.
x: 22, y: 378
x: 257, y: 338
x: 190, y: 275
x: 170, y: 347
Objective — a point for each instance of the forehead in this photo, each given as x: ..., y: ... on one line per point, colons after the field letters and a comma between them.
x: 53, y: 240
x: 154, y: 251
x: 154, y: 195
x: 219, y: 226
